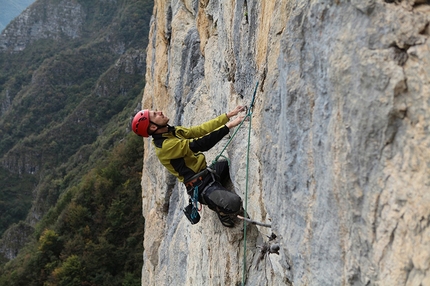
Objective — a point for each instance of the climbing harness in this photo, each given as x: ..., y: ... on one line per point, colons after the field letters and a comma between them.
x: 192, y: 210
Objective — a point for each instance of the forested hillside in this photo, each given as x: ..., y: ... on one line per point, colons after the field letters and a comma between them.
x: 71, y: 77
x: 93, y: 235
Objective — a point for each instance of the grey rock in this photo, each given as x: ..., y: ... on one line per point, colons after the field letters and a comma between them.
x: 339, y: 156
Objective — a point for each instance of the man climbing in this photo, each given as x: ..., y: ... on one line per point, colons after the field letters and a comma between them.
x: 180, y: 149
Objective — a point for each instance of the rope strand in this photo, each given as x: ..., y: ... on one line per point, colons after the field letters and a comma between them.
x: 245, y: 211
x: 249, y: 114
x: 251, y: 107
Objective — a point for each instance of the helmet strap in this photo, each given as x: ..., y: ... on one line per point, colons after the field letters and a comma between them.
x: 158, y: 126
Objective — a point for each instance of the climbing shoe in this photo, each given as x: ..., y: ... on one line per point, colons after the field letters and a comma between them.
x: 226, y: 220
x: 242, y: 212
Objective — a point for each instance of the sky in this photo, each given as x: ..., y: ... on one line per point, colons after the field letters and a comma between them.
x: 9, y: 9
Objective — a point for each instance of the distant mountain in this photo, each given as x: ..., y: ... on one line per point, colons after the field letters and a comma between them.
x: 71, y: 77
x: 9, y: 9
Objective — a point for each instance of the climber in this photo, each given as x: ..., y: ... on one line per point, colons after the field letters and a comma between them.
x: 180, y: 149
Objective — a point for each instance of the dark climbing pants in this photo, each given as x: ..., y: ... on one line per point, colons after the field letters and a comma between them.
x: 215, y: 195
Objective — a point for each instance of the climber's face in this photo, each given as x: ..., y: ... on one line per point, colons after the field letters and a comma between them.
x: 158, y: 118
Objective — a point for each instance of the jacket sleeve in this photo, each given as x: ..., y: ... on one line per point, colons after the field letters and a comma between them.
x: 177, y: 148
x: 208, y: 141
x: 203, y: 129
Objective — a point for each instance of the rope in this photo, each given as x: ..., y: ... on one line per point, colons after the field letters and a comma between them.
x: 228, y: 143
x: 251, y: 107
x: 249, y: 114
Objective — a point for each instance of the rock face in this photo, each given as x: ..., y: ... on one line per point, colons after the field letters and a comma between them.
x: 14, y: 239
x: 339, y: 161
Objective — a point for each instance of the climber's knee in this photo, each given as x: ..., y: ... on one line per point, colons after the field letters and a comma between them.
x: 224, y: 201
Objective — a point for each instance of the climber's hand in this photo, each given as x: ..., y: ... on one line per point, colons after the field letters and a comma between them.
x: 235, y: 122
x: 235, y: 111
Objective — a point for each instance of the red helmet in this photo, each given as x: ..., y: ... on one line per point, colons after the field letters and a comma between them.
x: 140, y: 123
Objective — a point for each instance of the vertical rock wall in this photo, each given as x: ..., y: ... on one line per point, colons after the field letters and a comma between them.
x: 339, y: 159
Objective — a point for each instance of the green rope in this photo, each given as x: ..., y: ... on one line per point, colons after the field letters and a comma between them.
x: 226, y: 145
x: 249, y: 114
x: 246, y: 202
x: 251, y: 107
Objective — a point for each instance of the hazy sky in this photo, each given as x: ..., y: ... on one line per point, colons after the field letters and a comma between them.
x: 9, y: 9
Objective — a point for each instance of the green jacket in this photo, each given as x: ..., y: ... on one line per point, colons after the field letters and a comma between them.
x: 180, y: 148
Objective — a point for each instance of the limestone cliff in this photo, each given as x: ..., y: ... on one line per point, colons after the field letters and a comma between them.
x: 339, y: 153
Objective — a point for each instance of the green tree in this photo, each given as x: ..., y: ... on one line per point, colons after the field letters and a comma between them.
x: 70, y: 273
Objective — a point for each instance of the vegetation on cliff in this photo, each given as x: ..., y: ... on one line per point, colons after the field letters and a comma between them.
x: 70, y: 170
x: 93, y: 235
